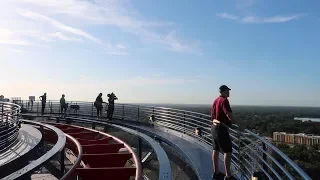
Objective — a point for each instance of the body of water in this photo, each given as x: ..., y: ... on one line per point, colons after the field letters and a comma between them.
x: 307, y: 119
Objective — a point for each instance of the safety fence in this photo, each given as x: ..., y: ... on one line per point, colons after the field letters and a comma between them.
x: 9, y: 124
x: 252, y: 154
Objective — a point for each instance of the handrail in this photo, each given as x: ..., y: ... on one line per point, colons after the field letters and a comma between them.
x: 285, y: 157
x: 134, y: 156
x: 186, y: 122
x: 9, y: 124
x: 78, y: 160
x: 44, y: 158
x: 164, y: 163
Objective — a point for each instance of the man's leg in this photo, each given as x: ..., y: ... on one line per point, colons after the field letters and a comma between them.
x: 97, y: 112
x: 215, y: 159
x: 226, y: 147
x: 108, y: 113
x: 216, y: 149
x: 61, y: 110
x: 111, y: 113
x: 227, y: 164
x: 100, y: 112
x: 42, y: 109
x: 64, y: 111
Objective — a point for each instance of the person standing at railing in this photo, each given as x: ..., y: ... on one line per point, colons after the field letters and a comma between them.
x: 63, y: 106
x: 110, y: 110
x: 43, y: 100
x: 222, y: 119
x: 31, y: 101
x: 98, y: 104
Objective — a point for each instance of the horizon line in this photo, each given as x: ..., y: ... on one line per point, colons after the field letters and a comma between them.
x: 199, y: 104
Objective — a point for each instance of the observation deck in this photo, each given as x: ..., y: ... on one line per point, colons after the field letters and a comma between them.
x: 99, y: 155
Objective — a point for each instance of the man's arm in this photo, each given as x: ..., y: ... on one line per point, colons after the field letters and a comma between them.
x: 231, y: 117
x: 227, y: 110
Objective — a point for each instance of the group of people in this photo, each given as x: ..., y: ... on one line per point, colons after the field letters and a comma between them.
x: 98, y: 104
x: 222, y: 119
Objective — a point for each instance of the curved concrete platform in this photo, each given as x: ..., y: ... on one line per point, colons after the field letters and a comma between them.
x: 197, y: 155
x: 21, y: 152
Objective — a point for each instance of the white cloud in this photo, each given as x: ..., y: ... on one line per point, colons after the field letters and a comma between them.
x: 274, y: 19
x: 8, y: 37
x: 227, y: 16
x: 59, y: 25
x: 118, y: 13
x: 255, y: 19
x: 61, y: 36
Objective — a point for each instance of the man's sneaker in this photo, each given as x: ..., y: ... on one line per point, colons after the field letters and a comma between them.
x: 230, y: 178
x: 217, y: 175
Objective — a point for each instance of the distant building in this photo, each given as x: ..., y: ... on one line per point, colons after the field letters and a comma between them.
x: 300, y: 138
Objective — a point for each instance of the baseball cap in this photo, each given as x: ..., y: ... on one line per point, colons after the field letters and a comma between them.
x: 224, y: 88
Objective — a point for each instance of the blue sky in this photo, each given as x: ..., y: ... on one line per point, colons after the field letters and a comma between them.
x: 162, y: 51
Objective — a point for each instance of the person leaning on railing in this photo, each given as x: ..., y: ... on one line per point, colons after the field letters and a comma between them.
x: 222, y: 119
x: 63, y: 106
x: 111, y: 99
x: 43, y: 100
x: 98, y: 104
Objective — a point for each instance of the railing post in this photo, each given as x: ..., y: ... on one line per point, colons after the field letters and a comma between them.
x: 76, y: 109
x: 93, y: 125
x: 122, y: 111
x: 264, y: 156
x: 50, y: 107
x: 139, y: 148
x: 2, y: 111
x: 184, y: 122
x: 62, y: 166
x: 7, y: 119
x: 138, y: 113
x: 92, y: 109
x: 240, y: 153
x: 37, y: 108
x: 41, y: 141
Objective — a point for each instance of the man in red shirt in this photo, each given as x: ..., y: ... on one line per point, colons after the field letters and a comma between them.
x: 222, y: 119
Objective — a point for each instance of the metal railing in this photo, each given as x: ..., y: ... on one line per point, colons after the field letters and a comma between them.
x: 10, y: 120
x: 77, y: 162
x: 9, y: 124
x: 57, y: 148
x: 164, y: 163
x: 251, y: 153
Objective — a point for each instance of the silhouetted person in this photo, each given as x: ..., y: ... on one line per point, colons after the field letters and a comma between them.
x: 110, y: 111
x: 31, y: 103
x: 222, y: 119
x: 43, y: 100
x: 98, y: 105
x: 63, y: 106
